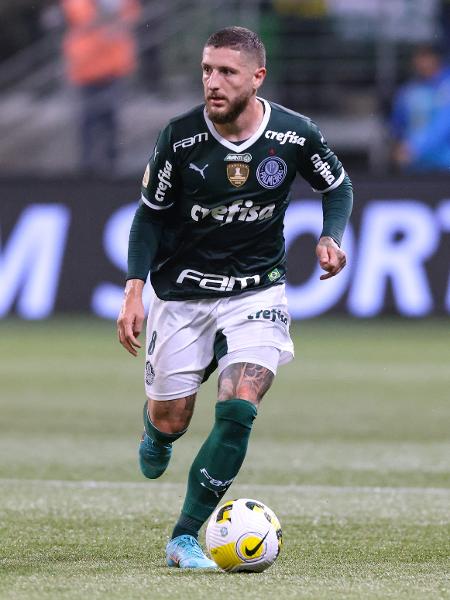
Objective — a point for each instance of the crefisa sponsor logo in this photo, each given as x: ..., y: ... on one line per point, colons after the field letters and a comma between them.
x: 270, y: 314
x: 237, y: 211
x: 164, y: 175
x: 322, y: 168
x: 290, y: 137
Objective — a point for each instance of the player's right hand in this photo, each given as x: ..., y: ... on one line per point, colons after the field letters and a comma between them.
x: 131, y: 316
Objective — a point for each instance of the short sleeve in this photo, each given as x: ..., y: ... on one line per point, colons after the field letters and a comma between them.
x: 160, y: 183
x: 318, y: 164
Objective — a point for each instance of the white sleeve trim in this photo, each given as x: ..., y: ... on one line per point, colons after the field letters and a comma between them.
x: 338, y: 182
x: 154, y: 206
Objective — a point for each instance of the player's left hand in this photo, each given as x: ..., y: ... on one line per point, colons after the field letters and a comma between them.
x: 331, y: 258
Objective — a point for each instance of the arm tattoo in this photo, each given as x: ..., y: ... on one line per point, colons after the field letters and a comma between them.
x: 244, y: 380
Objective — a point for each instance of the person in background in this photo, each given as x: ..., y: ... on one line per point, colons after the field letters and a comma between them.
x: 100, y: 52
x: 420, y: 119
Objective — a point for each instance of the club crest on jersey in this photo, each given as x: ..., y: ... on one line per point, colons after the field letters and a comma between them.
x: 149, y: 373
x: 271, y: 172
x: 237, y: 173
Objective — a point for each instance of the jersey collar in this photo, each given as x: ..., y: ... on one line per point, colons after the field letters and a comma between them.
x: 240, y: 147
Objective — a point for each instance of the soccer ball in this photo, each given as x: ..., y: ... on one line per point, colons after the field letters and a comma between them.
x: 244, y: 535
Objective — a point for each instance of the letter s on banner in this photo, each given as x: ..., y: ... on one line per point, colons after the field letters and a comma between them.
x: 107, y: 297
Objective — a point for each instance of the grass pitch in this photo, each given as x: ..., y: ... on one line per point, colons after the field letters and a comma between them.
x: 350, y: 448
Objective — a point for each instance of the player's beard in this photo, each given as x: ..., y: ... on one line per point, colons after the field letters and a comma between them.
x: 235, y: 109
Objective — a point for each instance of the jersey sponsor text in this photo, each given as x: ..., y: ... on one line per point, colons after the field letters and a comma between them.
x: 273, y: 315
x: 246, y: 157
x: 190, y: 141
x: 164, y: 175
x: 290, y: 137
x: 237, y: 211
x: 322, y: 168
x: 218, y: 283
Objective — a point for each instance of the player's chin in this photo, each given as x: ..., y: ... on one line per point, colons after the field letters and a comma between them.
x: 218, y: 115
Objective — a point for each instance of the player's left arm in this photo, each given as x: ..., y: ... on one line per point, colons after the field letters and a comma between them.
x: 323, y: 170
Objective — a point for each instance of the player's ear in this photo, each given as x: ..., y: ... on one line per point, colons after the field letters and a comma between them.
x: 259, y: 76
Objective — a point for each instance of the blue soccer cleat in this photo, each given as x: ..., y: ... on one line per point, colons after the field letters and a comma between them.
x: 153, y: 457
x: 184, y: 552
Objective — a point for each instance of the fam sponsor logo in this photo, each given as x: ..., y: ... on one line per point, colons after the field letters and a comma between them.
x: 218, y: 283
x: 237, y: 211
x: 290, y: 137
x: 322, y: 168
x: 230, y: 157
x: 271, y: 172
x: 216, y: 483
x: 191, y: 141
x: 270, y: 314
x: 164, y: 176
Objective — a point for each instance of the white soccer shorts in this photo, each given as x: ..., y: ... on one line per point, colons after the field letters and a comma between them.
x: 185, y: 338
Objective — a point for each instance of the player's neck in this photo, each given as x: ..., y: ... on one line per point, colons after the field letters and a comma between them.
x: 245, y: 125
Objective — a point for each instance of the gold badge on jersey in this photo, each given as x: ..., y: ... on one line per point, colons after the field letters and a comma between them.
x: 237, y: 173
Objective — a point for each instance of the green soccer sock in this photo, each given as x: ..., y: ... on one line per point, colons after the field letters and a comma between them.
x: 158, y: 436
x: 216, y: 464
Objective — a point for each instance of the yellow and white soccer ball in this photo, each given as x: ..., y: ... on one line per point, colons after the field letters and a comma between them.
x: 243, y: 535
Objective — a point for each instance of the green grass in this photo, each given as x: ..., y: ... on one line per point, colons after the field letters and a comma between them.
x: 351, y: 449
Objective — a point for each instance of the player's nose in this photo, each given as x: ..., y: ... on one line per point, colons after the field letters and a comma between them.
x: 213, y: 81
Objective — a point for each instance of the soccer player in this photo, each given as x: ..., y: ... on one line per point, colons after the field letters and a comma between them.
x: 209, y: 229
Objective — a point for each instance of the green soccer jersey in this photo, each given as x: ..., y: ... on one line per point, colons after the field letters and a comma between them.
x: 223, y: 203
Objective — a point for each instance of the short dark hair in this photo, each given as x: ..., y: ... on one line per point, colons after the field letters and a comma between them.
x: 239, y: 38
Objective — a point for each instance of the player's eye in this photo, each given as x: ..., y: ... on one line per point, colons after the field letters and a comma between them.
x: 206, y: 69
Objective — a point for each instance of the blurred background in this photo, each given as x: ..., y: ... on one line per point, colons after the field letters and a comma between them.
x: 85, y: 86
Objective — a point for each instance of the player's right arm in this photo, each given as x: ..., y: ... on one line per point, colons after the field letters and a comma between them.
x: 158, y: 193
x: 131, y: 316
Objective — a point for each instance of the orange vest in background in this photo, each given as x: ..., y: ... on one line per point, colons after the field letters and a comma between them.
x: 98, y: 44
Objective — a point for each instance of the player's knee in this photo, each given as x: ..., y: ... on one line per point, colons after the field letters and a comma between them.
x: 171, y: 416
x: 171, y: 425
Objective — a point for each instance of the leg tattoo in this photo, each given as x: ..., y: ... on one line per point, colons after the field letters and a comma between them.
x: 244, y: 380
